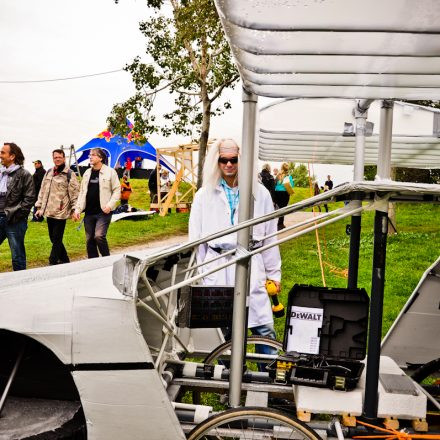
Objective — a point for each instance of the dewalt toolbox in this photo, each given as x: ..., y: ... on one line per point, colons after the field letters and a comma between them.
x: 325, y: 338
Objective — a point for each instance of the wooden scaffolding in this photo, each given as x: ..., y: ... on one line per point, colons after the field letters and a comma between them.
x: 186, y: 171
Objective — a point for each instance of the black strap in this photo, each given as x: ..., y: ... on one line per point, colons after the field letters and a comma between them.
x: 217, y: 249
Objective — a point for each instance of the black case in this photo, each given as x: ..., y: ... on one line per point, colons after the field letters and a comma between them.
x: 205, y: 306
x: 343, y: 337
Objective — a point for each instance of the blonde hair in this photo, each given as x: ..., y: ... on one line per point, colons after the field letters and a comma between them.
x: 211, y: 170
x: 283, y: 172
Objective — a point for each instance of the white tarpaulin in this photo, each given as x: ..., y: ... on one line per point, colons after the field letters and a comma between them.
x: 311, y: 130
x: 336, y: 48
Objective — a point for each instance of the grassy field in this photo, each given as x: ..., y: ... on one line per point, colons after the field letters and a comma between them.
x: 409, y: 253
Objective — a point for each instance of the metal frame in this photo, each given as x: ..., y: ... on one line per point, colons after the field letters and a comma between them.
x: 241, y: 256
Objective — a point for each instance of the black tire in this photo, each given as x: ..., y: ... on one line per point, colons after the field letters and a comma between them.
x: 250, y: 420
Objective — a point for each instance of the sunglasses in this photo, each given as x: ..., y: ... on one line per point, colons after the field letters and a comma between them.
x: 225, y: 160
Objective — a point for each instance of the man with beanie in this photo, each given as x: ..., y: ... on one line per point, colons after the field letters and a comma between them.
x: 57, y: 200
x: 98, y: 196
x: 17, y: 197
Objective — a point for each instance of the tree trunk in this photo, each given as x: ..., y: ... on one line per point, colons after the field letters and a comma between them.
x: 204, y: 136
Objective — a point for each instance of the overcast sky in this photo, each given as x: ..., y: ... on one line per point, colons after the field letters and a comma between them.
x: 49, y: 39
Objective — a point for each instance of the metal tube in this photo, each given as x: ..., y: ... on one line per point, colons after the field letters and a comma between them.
x: 165, y: 323
x: 239, y: 257
x: 379, y: 257
x: 338, y: 429
x: 305, y: 222
x: 360, y: 114
x: 242, y: 271
x: 376, y: 309
x: 305, y: 231
x: 298, y: 206
x: 363, y: 104
x: 11, y: 377
x: 353, y: 258
x: 434, y: 401
x: 385, y: 140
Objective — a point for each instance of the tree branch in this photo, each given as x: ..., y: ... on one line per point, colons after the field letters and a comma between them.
x: 164, y: 87
x: 214, y: 55
x: 188, y: 93
x: 220, y: 90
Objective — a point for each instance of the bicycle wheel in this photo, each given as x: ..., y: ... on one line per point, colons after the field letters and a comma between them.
x: 222, y: 353
x: 428, y: 375
x: 223, y: 350
x: 252, y: 423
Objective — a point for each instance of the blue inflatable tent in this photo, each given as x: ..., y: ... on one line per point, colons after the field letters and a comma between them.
x: 119, y: 148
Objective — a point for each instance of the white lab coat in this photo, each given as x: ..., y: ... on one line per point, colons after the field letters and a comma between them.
x: 210, y: 213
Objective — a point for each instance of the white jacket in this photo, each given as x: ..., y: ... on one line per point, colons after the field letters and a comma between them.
x: 109, y: 189
x: 210, y: 213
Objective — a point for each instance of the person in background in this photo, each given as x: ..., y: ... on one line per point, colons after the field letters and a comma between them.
x: 99, y: 193
x: 37, y: 177
x: 126, y: 190
x: 128, y: 167
x: 215, y: 208
x: 328, y: 183
x: 138, y: 162
x: 275, y: 173
x: 316, y: 192
x: 283, y: 190
x: 56, y: 200
x: 152, y: 185
x: 17, y: 196
x: 165, y: 183
x: 268, y: 180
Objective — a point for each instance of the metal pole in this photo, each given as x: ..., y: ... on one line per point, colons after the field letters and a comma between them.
x: 378, y: 276
x: 360, y: 113
x: 11, y: 377
x: 242, y: 272
x: 385, y: 137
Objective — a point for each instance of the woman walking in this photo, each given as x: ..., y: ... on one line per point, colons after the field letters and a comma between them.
x: 283, y: 190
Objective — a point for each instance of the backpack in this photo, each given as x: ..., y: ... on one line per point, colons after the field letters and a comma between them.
x: 268, y: 181
x: 69, y: 174
x: 69, y: 177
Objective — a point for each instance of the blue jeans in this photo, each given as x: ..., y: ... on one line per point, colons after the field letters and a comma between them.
x: 15, y: 234
x: 264, y: 330
x: 96, y: 226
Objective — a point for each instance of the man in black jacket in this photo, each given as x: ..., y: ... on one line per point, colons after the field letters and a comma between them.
x: 37, y: 177
x: 17, y: 197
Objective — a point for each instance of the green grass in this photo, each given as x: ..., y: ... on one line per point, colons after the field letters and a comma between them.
x: 121, y: 234
x: 409, y: 254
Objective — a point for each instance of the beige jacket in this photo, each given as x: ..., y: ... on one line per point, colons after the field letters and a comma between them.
x: 109, y: 189
x: 56, y: 198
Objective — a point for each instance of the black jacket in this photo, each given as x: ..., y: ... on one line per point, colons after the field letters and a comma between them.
x: 20, y: 196
x: 38, y: 177
x: 152, y: 181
